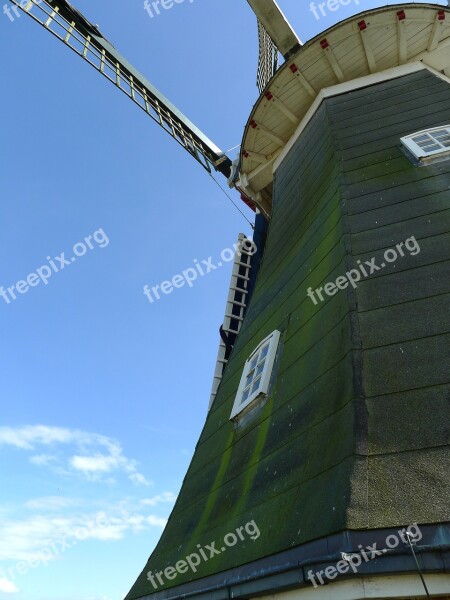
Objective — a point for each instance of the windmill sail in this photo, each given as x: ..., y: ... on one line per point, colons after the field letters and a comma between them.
x: 268, y: 58
x: 75, y: 31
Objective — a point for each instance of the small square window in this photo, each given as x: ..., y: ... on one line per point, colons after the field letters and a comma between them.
x: 257, y: 372
x: 428, y: 143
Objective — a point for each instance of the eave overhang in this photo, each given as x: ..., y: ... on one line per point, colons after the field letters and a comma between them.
x: 372, y: 42
x: 289, y: 570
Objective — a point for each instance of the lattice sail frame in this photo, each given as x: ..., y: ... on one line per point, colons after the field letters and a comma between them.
x: 70, y: 27
x: 268, y: 58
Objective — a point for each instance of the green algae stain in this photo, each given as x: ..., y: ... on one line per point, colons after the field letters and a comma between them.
x: 216, y: 487
x: 254, y: 459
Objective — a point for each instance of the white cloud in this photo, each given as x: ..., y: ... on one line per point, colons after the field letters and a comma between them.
x: 50, y: 503
x: 7, y: 587
x: 138, y: 479
x: 156, y: 521
x: 27, y: 437
x: 166, y: 497
x: 95, y: 464
x: 43, y: 460
x: 95, y: 455
x: 51, y: 535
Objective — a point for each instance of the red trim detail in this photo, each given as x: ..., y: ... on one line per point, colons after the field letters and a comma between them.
x: 324, y: 43
x: 253, y: 124
x: 401, y: 16
x: 293, y: 68
x: 248, y: 202
x: 246, y: 154
x: 268, y: 95
x: 362, y: 25
x: 441, y: 15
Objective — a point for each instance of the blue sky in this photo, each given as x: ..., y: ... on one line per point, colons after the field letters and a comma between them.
x: 103, y: 394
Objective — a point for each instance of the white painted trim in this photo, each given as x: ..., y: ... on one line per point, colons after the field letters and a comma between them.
x: 417, y: 151
x: 402, y: 587
x: 342, y: 88
x: 263, y: 388
x: 276, y: 24
x: 262, y: 167
x: 438, y: 73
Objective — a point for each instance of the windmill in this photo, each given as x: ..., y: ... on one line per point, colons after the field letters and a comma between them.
x: 323, y: 462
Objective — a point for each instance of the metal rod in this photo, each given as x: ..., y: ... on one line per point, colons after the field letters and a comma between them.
x: 408, y: 536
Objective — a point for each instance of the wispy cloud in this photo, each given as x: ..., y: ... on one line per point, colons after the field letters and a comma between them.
x: 165, y: 498
x: 21, y: 538
x: 51, y: 503
x: 7, y: 586
x: 138, y: 479
x: 90, y: 454
x: 43, y: 460
x: 30, y: 436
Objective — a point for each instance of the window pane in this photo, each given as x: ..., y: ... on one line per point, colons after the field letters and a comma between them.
x: 426, y: 143
x: 250, y: 377
x: 421, y: 138
x: 430, y: 146
x: 260, y: 368
x: 264, y: 352
x: 440, y: 133
x: 443, y: 137
x: 255, y: 385
x: 254, y: 362
x: 245, y: 395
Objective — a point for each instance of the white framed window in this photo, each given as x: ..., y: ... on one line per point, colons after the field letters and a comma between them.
x: 428, y: 142
x: 257, y: 372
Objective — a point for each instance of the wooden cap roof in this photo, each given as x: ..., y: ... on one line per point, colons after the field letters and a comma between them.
x: 368, y: 43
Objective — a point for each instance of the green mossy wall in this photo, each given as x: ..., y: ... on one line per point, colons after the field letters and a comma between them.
x: 352, y: 433
x: 403, y: 309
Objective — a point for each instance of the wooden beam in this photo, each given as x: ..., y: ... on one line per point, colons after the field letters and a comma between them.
x: 276, y: 25
x: 402, y: 39
x: 436, y: 32
x: 332, y: 60
x: 282, y: 108
x: 256, y: 156
x: 371, y: 62
x: 301, y: 79
x: 269, y: 134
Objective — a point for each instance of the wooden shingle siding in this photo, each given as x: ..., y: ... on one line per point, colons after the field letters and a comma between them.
x: 403, y: 309
x: 354, y: 416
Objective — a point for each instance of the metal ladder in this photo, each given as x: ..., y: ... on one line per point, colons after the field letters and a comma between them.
x: 236, y: 306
